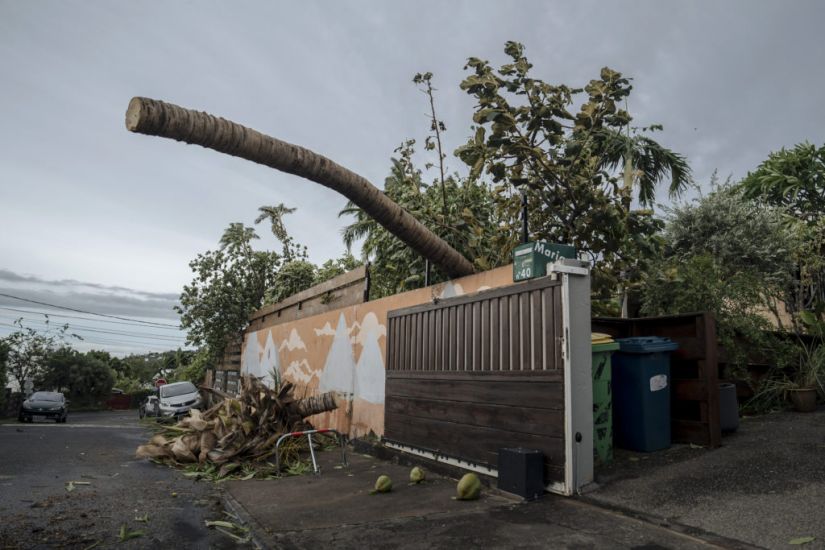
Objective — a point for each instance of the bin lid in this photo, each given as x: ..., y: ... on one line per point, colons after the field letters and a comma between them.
x: 646, y: 344
x: 600, y: 338
x: 602, y: 342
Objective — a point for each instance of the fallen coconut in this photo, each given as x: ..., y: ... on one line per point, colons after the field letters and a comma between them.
x: 469, y: 487
x: 382, y: 485
x: 417, y: 475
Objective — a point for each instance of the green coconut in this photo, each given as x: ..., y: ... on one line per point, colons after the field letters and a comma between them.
x: 382, y: 485
x: 417, y: 475
x: 469, y: 487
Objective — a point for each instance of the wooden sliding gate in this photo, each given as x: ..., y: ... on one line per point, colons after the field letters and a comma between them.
x: 470, y: 375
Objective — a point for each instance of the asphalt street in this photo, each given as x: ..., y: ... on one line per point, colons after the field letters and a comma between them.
x: 110, y: 488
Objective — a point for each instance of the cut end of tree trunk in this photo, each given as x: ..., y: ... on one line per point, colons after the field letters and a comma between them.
x: 133, y: 114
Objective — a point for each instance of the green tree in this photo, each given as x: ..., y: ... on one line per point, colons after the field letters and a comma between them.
x: 795, y: 180
x: 29, y: 349
x: 229, y: 284
x: 232, y: 282
x: 4, y: 356
x: 86, y: 378
x: 463, y: 212
x: 332, y: 268
x: 730, y: 256
x: 192, y: 365
x: 473, y: 230
x: 292, y: 278
x: 580, y: 169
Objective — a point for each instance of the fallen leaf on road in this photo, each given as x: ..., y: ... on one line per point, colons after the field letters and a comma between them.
x: 143, y: 519
x: 238, y: 532
x: 126, y: 534
x: 71, y: 485
x: 801, y: 540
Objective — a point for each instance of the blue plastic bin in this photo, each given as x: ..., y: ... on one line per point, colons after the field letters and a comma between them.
x: 641, y: 393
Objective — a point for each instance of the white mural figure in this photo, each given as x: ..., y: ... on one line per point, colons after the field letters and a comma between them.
x: 270, y: 364
x: 370, y: 371
x: 252, y: 356
x: 293, y: 342
x: 451, y: 290
x: 339, y: 368
x: 300, y: 372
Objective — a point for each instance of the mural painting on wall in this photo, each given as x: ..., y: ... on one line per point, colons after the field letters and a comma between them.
x: 342, y: 351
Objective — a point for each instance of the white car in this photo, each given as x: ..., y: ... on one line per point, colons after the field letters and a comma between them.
x: 177, y: 399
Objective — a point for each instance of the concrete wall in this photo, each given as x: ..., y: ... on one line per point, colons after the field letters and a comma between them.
x: 344, y: 350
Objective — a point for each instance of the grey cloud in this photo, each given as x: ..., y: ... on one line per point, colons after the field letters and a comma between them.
x: 79, y: 295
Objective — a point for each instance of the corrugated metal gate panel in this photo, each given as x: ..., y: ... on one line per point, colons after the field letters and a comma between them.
x: 511, y: 329
x: 469, y: 375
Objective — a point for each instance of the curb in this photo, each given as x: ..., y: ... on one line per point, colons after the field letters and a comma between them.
x: 238, y: 510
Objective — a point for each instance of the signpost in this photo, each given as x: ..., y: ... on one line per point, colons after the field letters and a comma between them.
x: 530, y: 259
x: 160, y: 382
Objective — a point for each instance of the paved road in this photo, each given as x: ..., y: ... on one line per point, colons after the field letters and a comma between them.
x: 38, y: 460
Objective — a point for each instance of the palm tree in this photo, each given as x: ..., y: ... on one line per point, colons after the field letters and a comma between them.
x: 645, y: 163
x: 157, y: 118
x: 275, y: 215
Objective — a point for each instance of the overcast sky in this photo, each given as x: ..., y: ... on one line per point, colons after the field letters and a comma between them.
x: 93, y: 215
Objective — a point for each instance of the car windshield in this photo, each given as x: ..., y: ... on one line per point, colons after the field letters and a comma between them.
x: 174, y: 390
x: 46, y: 396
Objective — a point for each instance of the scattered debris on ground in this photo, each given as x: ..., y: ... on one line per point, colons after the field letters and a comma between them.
x: 128, y: 534
x: 233, y: 529
x: 235, y: 439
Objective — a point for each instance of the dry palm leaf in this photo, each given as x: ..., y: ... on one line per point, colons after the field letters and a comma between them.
x: 238, y: 430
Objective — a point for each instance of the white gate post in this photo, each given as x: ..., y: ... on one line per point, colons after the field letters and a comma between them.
x: 578, y: 378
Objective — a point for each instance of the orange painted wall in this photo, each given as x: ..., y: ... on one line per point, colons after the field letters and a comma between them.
x: 344, y: 350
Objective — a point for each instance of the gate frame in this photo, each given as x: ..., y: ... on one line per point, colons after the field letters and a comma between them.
x: 574, y: 276
x: 578, y: 375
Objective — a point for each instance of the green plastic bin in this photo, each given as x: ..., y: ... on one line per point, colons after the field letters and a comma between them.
x: 603, y: 348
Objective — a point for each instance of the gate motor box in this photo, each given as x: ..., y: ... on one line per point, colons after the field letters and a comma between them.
x: 521, y: 472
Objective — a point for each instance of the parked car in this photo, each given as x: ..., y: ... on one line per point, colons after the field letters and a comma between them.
x: 149, y: 406
x: 49, y: 404
x: 177, y: 399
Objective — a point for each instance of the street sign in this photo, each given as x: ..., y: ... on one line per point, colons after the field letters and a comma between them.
x: 159, y: 382
x: 530, y: 259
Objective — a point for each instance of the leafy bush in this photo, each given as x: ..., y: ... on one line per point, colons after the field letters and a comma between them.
x: 730, y: 256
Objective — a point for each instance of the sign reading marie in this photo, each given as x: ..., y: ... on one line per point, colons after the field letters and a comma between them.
x: 530, y: 259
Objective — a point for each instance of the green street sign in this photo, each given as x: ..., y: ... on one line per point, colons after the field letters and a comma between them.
x: 530, y: 259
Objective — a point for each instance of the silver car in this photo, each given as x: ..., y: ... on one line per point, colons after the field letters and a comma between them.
x: 177, y: 399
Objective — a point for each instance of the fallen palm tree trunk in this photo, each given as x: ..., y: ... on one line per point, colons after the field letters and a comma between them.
x: 157, y: 118
x: 239, y: 429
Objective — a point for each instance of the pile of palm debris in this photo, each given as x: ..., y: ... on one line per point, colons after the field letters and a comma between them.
x: 237, y: 435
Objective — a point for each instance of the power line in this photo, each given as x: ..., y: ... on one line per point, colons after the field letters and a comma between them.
x: 115, y: 332
x: 88, y: 312
x: 108, y: 342
x: 63, y: 315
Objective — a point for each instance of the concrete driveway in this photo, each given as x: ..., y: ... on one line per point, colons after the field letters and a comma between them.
x: 335, y: 510
x: 764, y: 486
